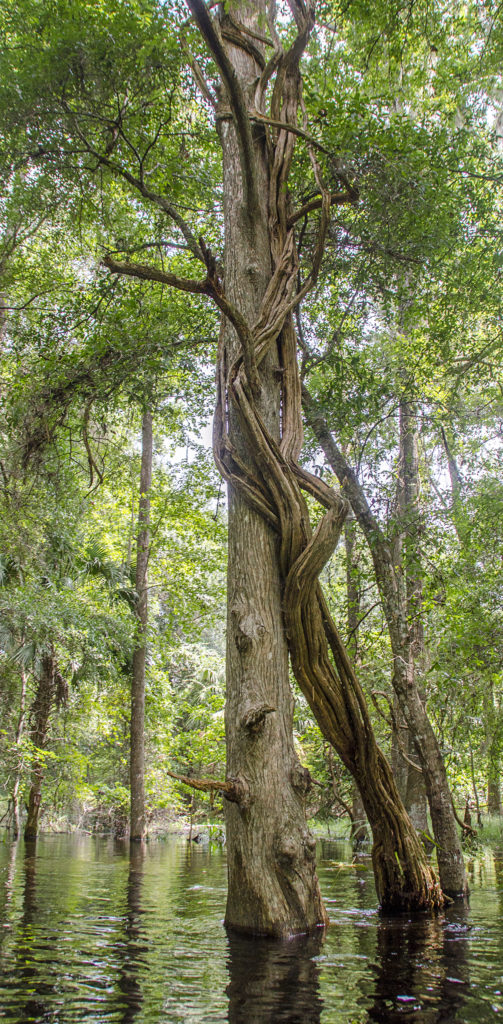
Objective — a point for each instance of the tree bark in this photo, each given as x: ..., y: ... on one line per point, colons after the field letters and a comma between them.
x: 359, y: 830
x: 391, y: 587
x: 40, y: 714
x: 258, y: 438
x: 492, y: 749
x: 273, y: 887
x: 493, y: 790
x: 137, y: 753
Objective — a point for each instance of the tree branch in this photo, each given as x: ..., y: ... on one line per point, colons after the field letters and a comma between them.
x: 336, y: 199
x: 236, y: 99
x: 235, y: 790
x: 148, y: 273
x: 154, y: 197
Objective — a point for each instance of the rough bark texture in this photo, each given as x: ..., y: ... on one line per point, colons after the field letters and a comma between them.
x: 137, y: 754
x: 391, y: 586
x: 43, y: 704
x: 273, y: 888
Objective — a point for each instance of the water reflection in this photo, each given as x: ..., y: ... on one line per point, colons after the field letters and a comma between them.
x: 93, y: 933
x: 274, y: 981
x: 421, y: 971
x: 35, y: 987
x: 135, y: 948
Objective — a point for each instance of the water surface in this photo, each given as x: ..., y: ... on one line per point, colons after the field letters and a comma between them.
x: 90, y: 934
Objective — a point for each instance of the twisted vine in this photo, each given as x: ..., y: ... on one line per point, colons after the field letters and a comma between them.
x: 272, y: 483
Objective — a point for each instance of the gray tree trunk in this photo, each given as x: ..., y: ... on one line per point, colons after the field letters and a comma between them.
x: 137, y: 754
x: 413, y: 653
x: 392, y: 586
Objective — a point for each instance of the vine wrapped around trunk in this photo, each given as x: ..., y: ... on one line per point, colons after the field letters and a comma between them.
x: 271, y: 481
x: 273, y: 553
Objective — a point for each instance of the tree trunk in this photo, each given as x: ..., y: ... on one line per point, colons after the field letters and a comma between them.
x: 493, y: 790
x: 137, y: 754
x: 257, y: 444
x: 492, y: 746
x: 413, y: 652
x: 391, y: 587
x: 352, y: 588
x: 273, y: 888
x: 40, y: 714
x: 359, y: 831
x: 15, y: 817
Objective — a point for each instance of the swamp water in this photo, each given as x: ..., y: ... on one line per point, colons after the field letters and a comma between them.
x: 86, y: 934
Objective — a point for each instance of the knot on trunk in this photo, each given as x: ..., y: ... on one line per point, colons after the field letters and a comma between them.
x: 309, y: 844
x: 253, y: 718
x: 287, y: 849
x: 237, y: 791
x: 247, y: 629
x: 301, y: 779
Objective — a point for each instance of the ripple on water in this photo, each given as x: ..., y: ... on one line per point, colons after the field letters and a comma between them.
x: 89, y: 937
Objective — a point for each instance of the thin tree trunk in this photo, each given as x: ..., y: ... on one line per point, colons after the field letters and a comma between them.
x: 492, y: 749
x: 391, y: 587
x: 17, y: 781
x: 40, y: 714
x: 493, y: 789
x: 137, y: 755
x: 413, y: 653
x: 352, y: 588
x: 359, y: 831
x: 474, y: 785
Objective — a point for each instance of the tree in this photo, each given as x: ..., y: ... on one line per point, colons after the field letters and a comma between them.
x: 263, y: 467
x: 137, y: 757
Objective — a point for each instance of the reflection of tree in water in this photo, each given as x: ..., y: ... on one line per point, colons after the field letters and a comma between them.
x: 8, y: 889
x: 274, y: 982
x: 37, y: 988
x: 133, y: 948
x: 422, y: 970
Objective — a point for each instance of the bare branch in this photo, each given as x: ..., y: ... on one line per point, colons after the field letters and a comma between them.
x: 235, y: 790
x: 148, y: 273
x: 336, y: 199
